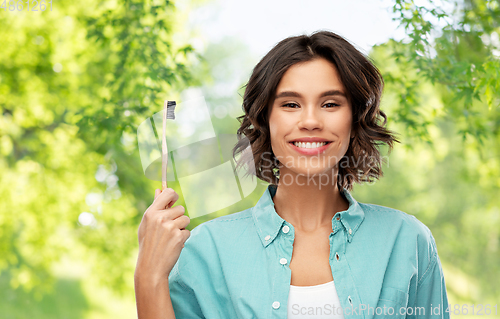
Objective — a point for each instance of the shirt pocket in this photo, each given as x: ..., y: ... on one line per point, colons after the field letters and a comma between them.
x: 395, y: 302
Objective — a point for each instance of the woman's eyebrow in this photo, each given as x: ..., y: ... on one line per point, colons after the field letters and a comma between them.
x: 296, y: 94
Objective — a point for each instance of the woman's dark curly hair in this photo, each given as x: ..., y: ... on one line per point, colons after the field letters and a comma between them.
x: 364, y: 84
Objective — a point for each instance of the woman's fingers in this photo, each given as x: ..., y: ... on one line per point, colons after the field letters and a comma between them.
x: 175, y: 212
x: 160, y: 210
x: 162, y: 234
x: 168, y: 214
x: 182, y: 221
x: 165, y: 199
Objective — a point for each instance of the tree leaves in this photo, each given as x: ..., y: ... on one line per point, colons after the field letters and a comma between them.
x: 60, y: 123
x: 454, y: 56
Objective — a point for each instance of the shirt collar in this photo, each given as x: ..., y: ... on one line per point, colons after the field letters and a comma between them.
x: 269, y: 223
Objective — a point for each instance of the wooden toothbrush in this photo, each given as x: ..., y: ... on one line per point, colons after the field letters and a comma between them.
x: 168, y: 113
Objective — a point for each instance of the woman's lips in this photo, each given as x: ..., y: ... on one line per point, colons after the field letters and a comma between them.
x: 310, y: 151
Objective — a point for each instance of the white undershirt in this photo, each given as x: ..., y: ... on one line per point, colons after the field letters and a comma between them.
x: 314, y: 302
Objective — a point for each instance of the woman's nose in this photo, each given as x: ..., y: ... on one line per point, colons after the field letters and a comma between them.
x: 310, y: 119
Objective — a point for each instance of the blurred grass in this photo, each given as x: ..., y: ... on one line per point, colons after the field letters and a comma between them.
x: 75, y: 295
x: 68, y: 301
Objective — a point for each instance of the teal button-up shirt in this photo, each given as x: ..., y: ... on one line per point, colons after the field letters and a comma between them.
x: 381, y: 259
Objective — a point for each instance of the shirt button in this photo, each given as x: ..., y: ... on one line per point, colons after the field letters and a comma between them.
x: 337, y: 256
x: 350, y: 300
x: 350, y: 231
x: 267, y: 237
x: 283, y: 261
x: 285, y: 229
x: 276, y: 304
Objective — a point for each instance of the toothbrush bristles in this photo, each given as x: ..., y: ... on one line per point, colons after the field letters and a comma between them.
x: 171, y: 110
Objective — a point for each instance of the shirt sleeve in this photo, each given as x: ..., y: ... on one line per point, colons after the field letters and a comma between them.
x: 183, y: 298
x: 431, y: 300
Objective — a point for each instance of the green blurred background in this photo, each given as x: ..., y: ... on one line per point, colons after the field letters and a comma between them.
x: 76, y: 82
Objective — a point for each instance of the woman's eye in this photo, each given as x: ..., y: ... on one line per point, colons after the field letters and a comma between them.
x: 294, y: 105
x: 330, y: 105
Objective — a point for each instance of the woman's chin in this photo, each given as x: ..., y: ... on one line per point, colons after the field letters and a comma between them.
x: 308, y: 176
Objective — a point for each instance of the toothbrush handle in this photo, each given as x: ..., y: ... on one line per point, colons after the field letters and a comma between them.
x: 164, y: 150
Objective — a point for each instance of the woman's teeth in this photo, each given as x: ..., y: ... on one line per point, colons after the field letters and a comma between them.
x: 309, y: 145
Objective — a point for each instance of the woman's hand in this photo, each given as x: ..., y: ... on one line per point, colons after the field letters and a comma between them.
x: 162, y: 235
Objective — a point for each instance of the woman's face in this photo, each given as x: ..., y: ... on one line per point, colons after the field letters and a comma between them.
x: 311, y: 104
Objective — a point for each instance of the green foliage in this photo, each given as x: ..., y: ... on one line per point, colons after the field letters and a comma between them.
x: 75, y: 83
x: 442, y: 95
x: 450, y: 51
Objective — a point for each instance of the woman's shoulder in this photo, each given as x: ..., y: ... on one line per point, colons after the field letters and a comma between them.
x: 208, y: 248
x: 388, y: 215
x: 406, y: 226
x: 212, y: 244
x: 400, y: 234
x: 234, y: 219
x: 222, y: 228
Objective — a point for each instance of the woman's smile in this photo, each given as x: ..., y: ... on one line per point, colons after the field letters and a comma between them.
x: 310, y: 148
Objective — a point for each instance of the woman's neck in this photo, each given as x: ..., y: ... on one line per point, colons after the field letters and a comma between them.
x: 306, y: 203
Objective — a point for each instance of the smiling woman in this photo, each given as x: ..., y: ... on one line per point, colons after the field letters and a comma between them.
x: 308, y: 249
x: 350, y: 82
x: 320, y: 113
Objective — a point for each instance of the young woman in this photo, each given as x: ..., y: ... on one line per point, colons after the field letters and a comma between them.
x: 307, y: 249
